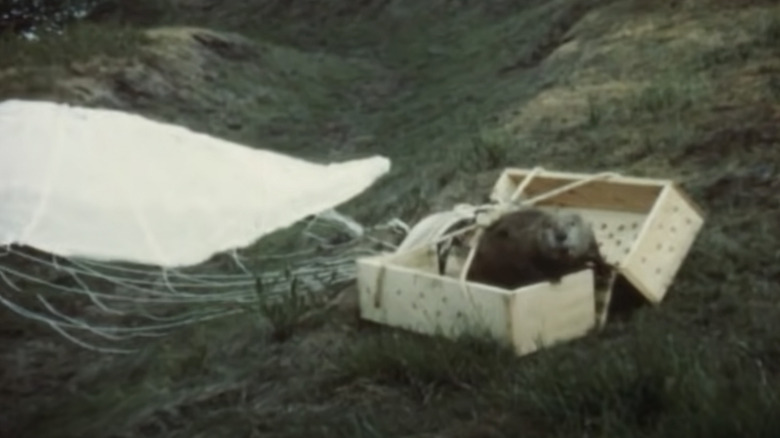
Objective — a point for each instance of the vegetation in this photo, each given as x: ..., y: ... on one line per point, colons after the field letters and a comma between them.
x: 29, y: 17
x: 673, y: 89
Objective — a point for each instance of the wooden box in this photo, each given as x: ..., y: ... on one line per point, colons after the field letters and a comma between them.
x: 405, y: 290
x: 644, y: 226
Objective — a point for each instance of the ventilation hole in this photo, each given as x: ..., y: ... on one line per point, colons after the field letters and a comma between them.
x: 603, y: 226
x: 444, y: 300
x: 635, y: 225
x: 610, y: 236
x: 618, y: 242
x: 459, y: 314
x: 600, y: 244
x: 398, y: 292
x: 688, y: 221
x: 660, y: 226
x: 626, y: 251
x: 658, y: 271
x: 438, y: 313
x: 671, y: 248
x: 659, y: 246
x: 414, y: 305
x: 675, y: 209
x: 644, y: 259
x: 673, y: 229
x: 422, y: 295
x: 621, y: 227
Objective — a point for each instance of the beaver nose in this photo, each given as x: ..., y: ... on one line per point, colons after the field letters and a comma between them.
x: 560, y: 236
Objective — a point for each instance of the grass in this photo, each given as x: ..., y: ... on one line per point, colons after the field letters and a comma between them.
x: 659, y: 382
x: 287, y: 314
x: 80, y: 43
x: 30, y: 68
x: 416, y: 361
x: 664, y: 89
x: 671, y: 96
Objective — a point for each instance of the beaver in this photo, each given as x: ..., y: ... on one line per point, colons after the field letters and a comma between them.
x: 531, y: 245
x: 581, y: 249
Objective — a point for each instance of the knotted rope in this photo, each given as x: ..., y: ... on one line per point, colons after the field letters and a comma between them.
x: 486, y: 214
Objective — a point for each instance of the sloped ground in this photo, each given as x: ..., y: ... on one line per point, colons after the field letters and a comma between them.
x: 453, y: 91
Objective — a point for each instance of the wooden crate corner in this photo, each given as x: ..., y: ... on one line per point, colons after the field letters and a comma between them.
x: 644, y: 226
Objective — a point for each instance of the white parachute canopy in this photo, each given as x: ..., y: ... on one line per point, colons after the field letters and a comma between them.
x: 112, y: 186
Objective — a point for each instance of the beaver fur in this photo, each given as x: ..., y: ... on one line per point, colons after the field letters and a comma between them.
x: 531, y: 245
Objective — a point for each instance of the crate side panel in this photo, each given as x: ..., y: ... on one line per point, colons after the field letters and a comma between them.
x: 549, y: 314
x: 434, y: 305
x: 670, y: 233
x: 616, y: 232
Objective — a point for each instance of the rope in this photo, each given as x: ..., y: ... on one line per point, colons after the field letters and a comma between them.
x: 139, y: 289
x: 492, y: 211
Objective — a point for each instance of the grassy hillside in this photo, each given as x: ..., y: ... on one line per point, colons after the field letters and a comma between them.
x: 452, y: 91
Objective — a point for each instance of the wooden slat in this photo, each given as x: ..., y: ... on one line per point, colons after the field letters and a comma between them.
x: 415, y: 298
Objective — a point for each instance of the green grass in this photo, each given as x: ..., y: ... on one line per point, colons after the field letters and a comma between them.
x: 30, y: 68
x: 79, y: 43
x: 660, y: 381
x: 671, y: 96
x: 440, y: 88
x: 659, y: 384
x: 287, y: 313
